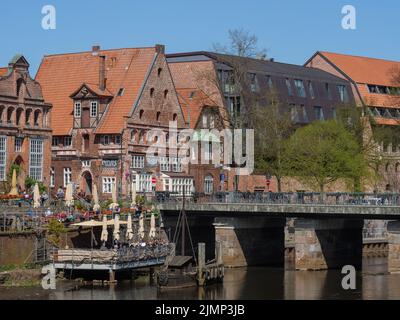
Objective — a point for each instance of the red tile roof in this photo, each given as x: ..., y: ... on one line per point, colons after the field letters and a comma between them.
x: 198, y: 76
x: 378, y: 100
x: 61, y: 75
x: 3, y: 71
x: 387, y: 121
x: 192, y: 102
x: 364, y: 69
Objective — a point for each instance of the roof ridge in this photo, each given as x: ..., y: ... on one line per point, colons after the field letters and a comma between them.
x: 100, y: 51
x: 358, y: 56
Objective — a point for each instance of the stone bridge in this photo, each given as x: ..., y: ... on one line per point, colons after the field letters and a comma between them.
x: 326, y: 236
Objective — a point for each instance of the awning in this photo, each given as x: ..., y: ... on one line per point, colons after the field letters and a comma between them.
x: 94, y: 223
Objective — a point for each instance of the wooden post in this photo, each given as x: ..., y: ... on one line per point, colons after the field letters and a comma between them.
x: 201, y: 263
x: 218, y: 253
x: 111, y: 276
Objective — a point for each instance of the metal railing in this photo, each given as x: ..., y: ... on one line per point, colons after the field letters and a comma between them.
x: 295, y: 198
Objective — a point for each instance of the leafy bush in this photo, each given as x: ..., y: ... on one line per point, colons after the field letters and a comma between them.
x: 55, y: 230
x: 30, y: 184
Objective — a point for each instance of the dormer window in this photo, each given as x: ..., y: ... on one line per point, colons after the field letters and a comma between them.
x: 93, y: 109
x: 105, y: 140
x: 121, y: 92
x: 77, y: 109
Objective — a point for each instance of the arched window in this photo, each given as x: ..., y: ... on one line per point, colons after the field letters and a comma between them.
x: 10, y: 111
x: 174, y: 117
x: 28, y: 113
x: 141, y: 112
x: 20, y: 85
x: 387, y: 168
x: 159, y: 71
x: 141, y: 136
x: 165, y: 94
x: 18, y: 115
x: 36, y: 118
x: 158, y: 115
x: 1, y: 113
x: 151, y: 92
x: 208, y: 184
x: 133, y: 135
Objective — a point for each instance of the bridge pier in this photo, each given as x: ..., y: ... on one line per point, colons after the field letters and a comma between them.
x: 328, y: 243
x: 393, y: 229
x: 250, y: 241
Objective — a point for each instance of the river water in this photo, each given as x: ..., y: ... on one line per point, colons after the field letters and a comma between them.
x: 257, y: 283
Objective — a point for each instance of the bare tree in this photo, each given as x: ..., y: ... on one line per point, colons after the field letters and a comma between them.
x: 242, y: 44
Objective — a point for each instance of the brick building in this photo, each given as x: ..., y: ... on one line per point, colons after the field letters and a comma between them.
x: 376, y: 87
x: 308, y: 93
x: 25, y: 134
x: 105, y: 104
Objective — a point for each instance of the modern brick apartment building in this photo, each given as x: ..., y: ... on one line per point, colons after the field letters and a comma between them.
x: 105, y: 102
x: 25, y: 133
x: 375, y: 82
x: 308, y: 93
x: 376, y: 87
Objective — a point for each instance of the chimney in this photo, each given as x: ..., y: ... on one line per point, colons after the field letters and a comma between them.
x: 95, y: 50
x: 160, y: 48
x: 102, y: 72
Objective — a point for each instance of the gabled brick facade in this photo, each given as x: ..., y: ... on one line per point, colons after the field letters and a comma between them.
x: 103, y: 113
x: 25, y: 133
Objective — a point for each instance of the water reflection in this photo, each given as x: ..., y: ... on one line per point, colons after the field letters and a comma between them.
x: 259, y: 283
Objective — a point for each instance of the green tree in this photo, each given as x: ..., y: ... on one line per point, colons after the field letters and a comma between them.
x: 55, y: 230
x: 273, y: 125
x: 323, y: 152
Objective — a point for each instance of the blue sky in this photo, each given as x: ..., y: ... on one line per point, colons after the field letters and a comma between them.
x: 290, y: 30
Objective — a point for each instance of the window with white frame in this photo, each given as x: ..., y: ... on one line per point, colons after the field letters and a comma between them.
x: 36, y: 159
x: 176, y: 164
x: 52, y: 177
x: 93, y: 109
x: 208, y: 184
x: 108, y: 183
x: 144, y: 182
x: 86, y: 163
x: 77, y: 109
x: 181, y: 185
x: 67, y: 141
x: 137, y: 161
x: 164, y: 163
x: 18, y: 144
x: 3, y: 158
x: 67, y: 174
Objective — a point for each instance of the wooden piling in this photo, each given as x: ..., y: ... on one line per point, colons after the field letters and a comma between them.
x: 201, y: 263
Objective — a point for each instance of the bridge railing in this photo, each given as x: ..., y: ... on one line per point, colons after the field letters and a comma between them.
x: 304, y: 198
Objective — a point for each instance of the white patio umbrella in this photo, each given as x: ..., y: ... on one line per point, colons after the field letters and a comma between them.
x: 133, y: 203
x: 152, y: 232
x: 14, y: 189
x: 36, y: 197
x: 69, y: 199
x: 116, y: 227
x: 141, y: 226
x: 104, y: 232
x: 96, y: 206
x: 129, y: 230
x: 114, y: 203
